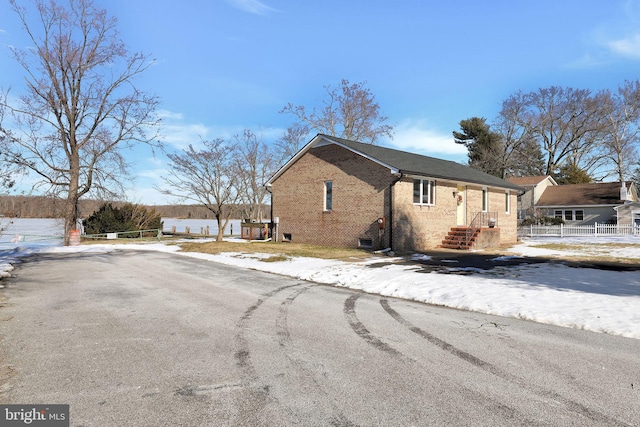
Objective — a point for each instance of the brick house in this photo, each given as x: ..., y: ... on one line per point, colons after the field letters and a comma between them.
x: 336, y: 192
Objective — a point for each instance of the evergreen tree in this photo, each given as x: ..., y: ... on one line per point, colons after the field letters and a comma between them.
x: 483, y: 145
x: 572, y: 174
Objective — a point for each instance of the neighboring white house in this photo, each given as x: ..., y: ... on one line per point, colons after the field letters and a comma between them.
x: 629, y: 213
x: 534, y: 186
x: 577, y: 204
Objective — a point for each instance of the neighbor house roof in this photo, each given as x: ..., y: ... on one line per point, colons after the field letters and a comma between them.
x: 406, y: 163
x: 601, y: 193
x: 530, y: 181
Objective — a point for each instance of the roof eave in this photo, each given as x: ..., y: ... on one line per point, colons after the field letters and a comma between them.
x: 467, y: 181
x: 578, y: 206
x: 317, y: 140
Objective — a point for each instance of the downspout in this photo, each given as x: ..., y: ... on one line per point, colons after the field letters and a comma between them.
x: 271, y: 224
x: 391, y: 209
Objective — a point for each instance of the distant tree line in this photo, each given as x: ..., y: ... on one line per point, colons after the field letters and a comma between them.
x: 51, y: 207
x: 574, y: 135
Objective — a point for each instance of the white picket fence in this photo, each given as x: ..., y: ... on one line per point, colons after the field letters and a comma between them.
x: 579, y: 230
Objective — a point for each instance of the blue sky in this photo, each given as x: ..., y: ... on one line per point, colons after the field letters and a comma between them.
x: 227, y: 65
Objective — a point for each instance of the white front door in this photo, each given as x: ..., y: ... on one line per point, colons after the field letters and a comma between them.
x: 461, y: 200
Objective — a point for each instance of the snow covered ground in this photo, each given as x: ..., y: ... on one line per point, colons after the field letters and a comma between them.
x: 591, y: 299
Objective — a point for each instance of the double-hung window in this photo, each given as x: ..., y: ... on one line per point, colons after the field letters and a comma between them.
x: 424, y: 192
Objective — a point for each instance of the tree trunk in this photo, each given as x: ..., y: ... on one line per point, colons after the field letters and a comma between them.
x: 70, y: 216
x: 220, y: 231
x: 71, y: 204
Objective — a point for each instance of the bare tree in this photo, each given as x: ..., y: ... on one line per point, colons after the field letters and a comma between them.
x: 255, y: 163
x: 349, y: 112
x: 8, y: 169
x: 622, y: 134
x: 142, y: 217
x: 206, y: 176
x: 81, y: 106
x: 291, y: 141
x: 520, y: 154
x: 565, y: 121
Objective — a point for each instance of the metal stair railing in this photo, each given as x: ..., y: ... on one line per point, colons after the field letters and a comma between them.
x: 482, y: 219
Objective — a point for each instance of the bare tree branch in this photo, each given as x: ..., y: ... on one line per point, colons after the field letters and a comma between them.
x: 349, y: 112
x: 207, y: 177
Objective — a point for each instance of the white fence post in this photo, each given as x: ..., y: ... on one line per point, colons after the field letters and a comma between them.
x: 580, y: 230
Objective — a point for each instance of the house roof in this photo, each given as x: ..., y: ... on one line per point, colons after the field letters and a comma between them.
x: 529, y: 181
x: 600, y: 193
x: 406, y: 163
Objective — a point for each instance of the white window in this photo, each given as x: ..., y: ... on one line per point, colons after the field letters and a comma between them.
x: 328, y: 195
x: 485, y: 199
x: 424, y: 192
x: 507, y: 201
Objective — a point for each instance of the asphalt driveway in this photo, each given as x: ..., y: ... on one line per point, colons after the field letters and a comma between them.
x: 147, y: 338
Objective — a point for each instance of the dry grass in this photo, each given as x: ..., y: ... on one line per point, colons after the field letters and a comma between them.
x: 591, y: 252
x: 275, y: 258
x: 281, y: 251
x: 574, y: 247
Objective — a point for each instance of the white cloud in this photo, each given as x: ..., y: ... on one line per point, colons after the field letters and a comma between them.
x: 619, y: 35
x: 180, y: 135
x: 419, y: 137
x: 155, y: 161
x: 586, y: 61
x: 152, y: 174
x: 169, y: 115
x: 178, y: 132
x: 628, y: 47
x: 251, y: 6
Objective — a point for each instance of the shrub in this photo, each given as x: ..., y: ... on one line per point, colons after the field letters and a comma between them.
x: 542, y: 220
x: 130, y: 217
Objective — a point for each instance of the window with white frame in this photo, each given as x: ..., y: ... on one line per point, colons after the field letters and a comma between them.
x: 424, y: 192
x: 569, y: 214
x: 507, y: 201
x: 328, y: 195
x: 485, y: 199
